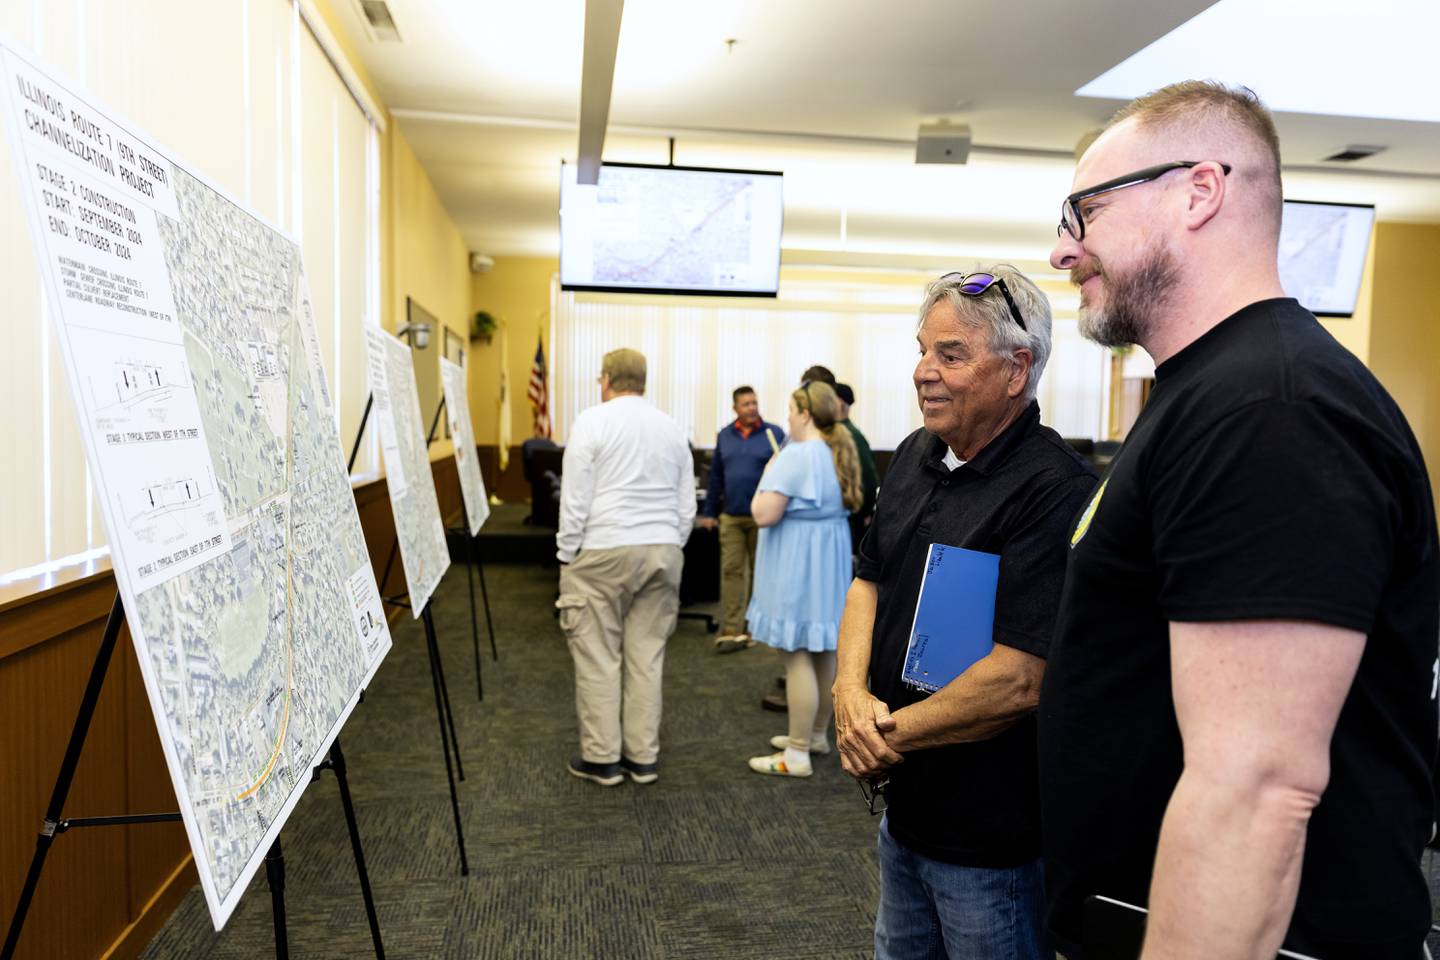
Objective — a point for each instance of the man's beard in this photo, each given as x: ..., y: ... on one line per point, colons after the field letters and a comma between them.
x: 1130, y: 300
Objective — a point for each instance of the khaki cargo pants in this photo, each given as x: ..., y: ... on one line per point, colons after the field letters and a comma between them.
x: 618, y: 608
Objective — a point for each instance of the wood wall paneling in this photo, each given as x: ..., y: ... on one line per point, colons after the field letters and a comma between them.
x: 82, y: 900
x: 511, y: 485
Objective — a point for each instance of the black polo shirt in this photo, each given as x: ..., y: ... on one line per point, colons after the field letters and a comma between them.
x: 974, y: 804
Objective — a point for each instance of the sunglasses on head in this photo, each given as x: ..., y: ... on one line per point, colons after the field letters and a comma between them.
x: 975, y: 284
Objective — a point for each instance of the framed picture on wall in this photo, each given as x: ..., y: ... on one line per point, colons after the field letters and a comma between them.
x: 455, y: 353
x: 454, y: 347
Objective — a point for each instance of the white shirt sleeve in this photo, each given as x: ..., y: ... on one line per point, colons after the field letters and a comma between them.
x: 577, y: 489
x: 687, y: 493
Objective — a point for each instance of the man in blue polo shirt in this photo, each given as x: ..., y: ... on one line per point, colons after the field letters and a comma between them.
x: 742, y: 449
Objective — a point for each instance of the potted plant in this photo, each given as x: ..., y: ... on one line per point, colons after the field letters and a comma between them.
x: 483, y: 326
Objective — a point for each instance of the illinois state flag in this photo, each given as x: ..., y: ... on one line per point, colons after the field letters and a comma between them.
x: 538, y: 393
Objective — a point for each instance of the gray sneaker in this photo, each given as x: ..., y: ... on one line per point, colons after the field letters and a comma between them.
x: 605, y: 774
x: 641, y: 772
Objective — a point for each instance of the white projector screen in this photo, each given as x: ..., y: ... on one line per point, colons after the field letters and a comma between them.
x: 690, y: 230
x: 1322, y: 254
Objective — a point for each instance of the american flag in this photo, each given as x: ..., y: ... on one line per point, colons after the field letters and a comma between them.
x: 538, y: 393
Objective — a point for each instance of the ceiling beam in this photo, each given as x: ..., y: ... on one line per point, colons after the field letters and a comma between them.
x: 602, y: 39
x: 721, y: 134
x: 843, y: 140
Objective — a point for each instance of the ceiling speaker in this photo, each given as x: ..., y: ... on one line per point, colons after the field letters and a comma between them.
x: 943, y: 143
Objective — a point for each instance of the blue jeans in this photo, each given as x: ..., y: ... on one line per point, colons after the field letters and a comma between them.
x: 934, y: 910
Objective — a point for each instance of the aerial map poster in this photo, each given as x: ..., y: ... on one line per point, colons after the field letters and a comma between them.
x: 185, y: 330
x: 418, y: 527
x: 467, y: 460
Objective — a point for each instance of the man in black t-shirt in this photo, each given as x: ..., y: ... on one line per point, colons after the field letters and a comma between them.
x: 1238, y: 719
x: 960, y: 842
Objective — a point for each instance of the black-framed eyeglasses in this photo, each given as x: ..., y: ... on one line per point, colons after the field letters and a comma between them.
x: 874, y: 794
x: 975, y: 284
x: 1072, y: 220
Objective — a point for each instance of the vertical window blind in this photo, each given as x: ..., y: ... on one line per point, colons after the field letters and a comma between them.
x: 245, y: 96
x: 699, y: 349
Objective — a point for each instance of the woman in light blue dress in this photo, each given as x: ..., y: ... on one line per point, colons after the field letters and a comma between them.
x: 803, y: 567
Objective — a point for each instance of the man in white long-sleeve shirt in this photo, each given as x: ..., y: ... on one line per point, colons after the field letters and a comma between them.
x: 627, y: 504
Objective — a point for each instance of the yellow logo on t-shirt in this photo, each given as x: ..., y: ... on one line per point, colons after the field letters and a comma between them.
x: 1083, y: 525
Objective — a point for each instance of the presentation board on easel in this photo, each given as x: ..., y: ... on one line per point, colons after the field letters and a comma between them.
x: 185, y: 330
x: 467, y: 460
x: 418, y: 527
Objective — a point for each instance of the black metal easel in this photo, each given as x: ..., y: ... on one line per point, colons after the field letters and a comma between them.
x: 400, y: 600
x: 448, y: 739
x: 473, y: 558
x: 472, y: 555
x: 54, y: 824
x: 395, y: 548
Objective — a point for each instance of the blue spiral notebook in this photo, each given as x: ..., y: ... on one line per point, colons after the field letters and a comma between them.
x: 954, y: 618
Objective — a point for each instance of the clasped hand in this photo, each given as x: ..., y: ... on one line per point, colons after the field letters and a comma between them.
x: 861, y: 723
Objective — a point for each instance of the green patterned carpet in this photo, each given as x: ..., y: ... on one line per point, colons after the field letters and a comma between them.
x: 712, y: 861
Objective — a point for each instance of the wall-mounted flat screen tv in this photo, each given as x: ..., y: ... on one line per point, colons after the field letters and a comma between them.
x: 685, y: 230
x: 1322, y: 254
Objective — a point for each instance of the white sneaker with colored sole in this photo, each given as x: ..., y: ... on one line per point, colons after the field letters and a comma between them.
x: 775, y: 765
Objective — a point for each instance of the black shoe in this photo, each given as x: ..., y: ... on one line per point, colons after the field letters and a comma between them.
x: 641, y: 772
x: 776, y: 702
x: 605, y: 774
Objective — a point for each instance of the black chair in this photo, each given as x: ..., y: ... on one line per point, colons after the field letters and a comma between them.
x: 700, y: 577
x: 541, y: 461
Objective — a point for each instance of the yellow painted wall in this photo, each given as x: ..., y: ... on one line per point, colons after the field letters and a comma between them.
x: 422, y: 254
x: 516, y: 292
x: 429, y: 261
x: 1405, y: 328
x: 1354, y: 333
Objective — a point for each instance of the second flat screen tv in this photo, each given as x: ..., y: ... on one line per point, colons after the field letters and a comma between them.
x: 1322, y: 254
x: 683, y: 230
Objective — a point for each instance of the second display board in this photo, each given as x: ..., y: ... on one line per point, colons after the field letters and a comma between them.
x: 418, y: 527
x: 467, y: 462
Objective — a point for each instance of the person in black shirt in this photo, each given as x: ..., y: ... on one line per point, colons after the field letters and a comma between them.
x: 1238, y: 720
x: 961, y: 836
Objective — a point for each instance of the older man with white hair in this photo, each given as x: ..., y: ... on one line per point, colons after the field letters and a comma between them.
x: 960, y: 842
